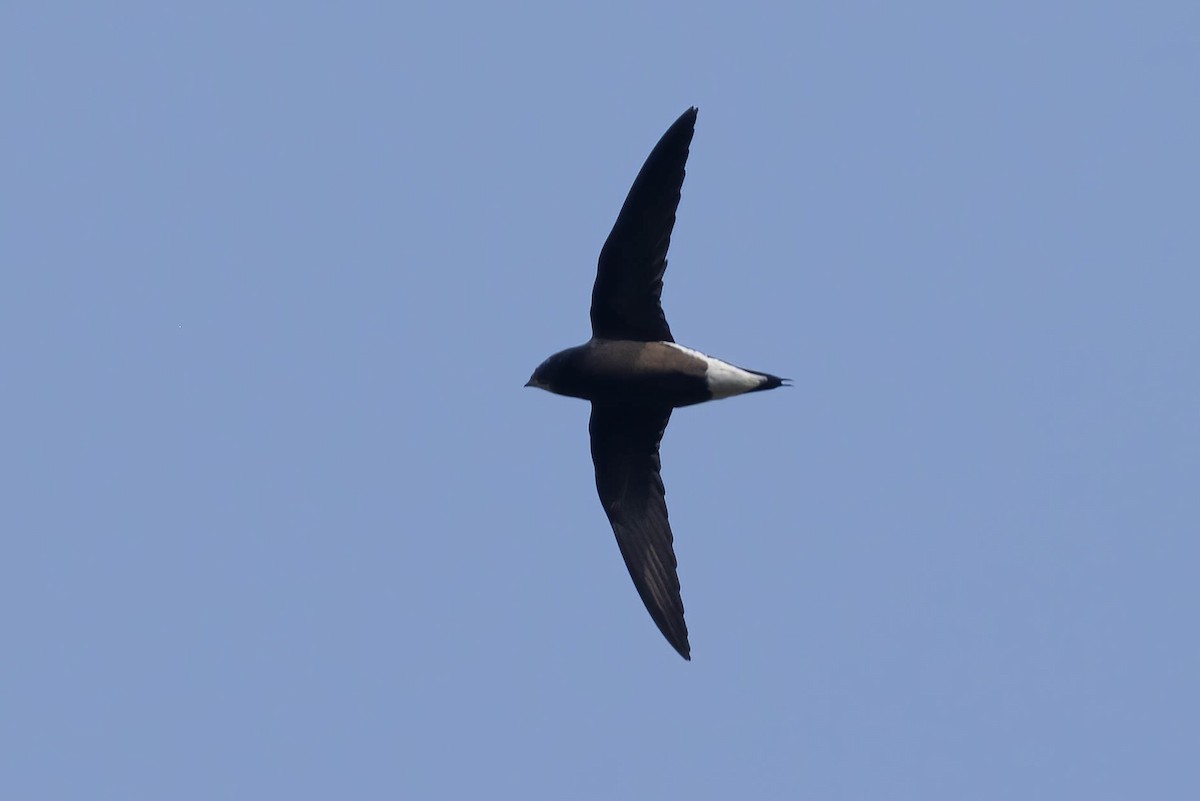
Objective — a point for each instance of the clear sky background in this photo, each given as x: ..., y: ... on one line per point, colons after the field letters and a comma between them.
x: 279, y: 520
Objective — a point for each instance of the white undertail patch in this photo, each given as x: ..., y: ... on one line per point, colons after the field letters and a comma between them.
x: 724, y: 379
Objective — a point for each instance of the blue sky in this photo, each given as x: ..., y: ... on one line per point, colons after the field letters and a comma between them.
x: 280, y: 521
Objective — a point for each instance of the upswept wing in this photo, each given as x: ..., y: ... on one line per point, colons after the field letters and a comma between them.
x: 626, y: 296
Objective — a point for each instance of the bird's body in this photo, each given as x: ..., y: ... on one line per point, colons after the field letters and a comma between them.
x: 662, y: 373
x: 635, y: 374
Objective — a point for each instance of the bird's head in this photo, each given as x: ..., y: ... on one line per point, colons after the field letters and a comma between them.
x: 548, y: 373
x: 543, y: 376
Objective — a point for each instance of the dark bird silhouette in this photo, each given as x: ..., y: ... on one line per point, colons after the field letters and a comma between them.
x: 634, y: 374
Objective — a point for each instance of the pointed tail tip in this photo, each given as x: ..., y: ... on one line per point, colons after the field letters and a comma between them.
x: 772, y: 382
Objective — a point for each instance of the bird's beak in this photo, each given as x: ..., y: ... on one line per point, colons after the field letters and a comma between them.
x: 529, y: 383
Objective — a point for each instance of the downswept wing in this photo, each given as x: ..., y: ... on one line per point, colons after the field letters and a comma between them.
x: 626, y: 296
x: 625, y: 453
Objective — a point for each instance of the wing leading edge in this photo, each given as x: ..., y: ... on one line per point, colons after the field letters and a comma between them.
x: 625, y: 442
x: 626, y: 298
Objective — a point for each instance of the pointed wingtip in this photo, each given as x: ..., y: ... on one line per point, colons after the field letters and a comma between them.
x: 682, y: 647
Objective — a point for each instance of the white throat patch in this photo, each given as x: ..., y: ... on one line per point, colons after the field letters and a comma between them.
x: 724, y: 379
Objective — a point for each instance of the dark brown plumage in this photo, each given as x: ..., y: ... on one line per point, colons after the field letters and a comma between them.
x: 634, y: 375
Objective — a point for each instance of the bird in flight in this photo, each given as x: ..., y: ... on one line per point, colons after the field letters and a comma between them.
x: 634, y: 374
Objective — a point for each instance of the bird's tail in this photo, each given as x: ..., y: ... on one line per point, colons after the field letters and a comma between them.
x: 771, y: 382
